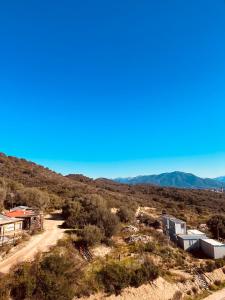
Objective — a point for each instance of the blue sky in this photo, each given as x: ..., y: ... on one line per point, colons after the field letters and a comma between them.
x: 114, y: 88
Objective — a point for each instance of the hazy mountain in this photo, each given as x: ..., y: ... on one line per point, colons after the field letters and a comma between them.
x: 220, y: 179
x: 174, y: 179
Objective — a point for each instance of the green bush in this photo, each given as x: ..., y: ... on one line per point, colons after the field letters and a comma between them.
x: 81, y: 212
x: 147, y: 272
x: 91, y: 235
x: 114, y: 277
x: 150, y: 247
x: 52, y: 278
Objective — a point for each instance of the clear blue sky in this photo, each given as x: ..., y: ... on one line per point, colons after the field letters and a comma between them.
x: 114, y: 88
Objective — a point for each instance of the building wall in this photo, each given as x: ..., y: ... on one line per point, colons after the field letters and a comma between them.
x: 176, y: 228
x: 219, y: 252
x: 165, y: 223
x: 11, y: 228
x: 207, y: 248
x: 188, y: 245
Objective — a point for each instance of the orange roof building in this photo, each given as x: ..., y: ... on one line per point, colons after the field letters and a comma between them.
x: 19, y: 213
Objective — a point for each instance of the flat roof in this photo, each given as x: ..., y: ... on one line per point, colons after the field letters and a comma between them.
x: 213, y: 242
x: 189, y: 236
x: 195, y: 231
x: 172, y: 218
x: 177, y: 220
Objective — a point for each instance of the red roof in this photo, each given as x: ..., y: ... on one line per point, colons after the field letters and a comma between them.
x: 18, y: 213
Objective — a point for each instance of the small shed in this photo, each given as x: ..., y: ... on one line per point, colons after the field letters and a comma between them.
x: 212, y: 248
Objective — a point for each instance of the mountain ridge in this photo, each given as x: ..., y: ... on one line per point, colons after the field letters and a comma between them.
x: 174, y: 179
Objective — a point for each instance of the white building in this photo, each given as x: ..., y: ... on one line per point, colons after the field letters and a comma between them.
x: 212, y: 248
x: 173, y: 226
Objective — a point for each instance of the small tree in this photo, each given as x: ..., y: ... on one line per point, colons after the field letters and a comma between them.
x: 71, y: 212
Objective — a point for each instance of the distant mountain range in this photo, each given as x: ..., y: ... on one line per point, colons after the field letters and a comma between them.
x: 176, y: 179
x: 221, y: 179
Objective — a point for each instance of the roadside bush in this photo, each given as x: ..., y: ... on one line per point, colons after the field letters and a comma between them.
x: 52, y: 278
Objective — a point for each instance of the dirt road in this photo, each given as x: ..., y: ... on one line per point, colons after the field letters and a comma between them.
x: 37, y: 243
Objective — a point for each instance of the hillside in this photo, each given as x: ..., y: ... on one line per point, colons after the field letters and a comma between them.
x: 96, y: 213
x: 21, y: 175
x: 174, y: 179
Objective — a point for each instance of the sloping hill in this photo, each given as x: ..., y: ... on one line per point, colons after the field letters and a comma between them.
x: 174, y: 179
